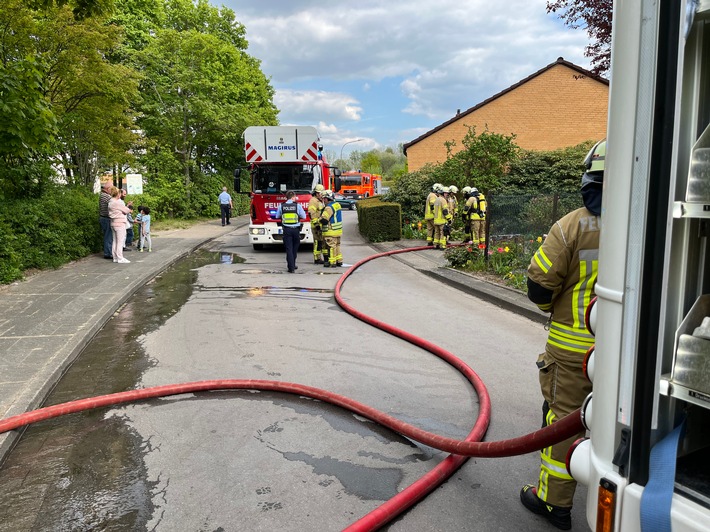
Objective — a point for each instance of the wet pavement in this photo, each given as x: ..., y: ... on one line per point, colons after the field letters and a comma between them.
x: 59, y: 316
x: 49, y: 318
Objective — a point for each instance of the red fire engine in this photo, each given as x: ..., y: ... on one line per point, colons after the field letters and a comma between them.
x: 282, y: 158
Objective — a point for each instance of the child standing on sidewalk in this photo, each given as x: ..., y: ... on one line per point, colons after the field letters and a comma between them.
x: 144, y: 219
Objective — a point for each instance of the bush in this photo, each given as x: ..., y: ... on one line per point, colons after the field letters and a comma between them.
x: 48, y: 232
x: 379, y: 221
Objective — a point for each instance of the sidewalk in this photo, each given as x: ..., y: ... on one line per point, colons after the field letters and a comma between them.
x: 49, y: 318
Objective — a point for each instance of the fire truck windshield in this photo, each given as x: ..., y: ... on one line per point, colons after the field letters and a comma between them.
x: 283, y: 177
x: 350, y: 180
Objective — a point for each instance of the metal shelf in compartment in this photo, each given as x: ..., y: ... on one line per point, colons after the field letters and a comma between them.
x: 689, y: 379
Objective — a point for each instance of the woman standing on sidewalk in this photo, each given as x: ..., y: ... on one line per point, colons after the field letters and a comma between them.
x: 117, y: 211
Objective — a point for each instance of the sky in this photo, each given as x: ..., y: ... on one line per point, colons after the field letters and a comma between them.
x: 378, y: 73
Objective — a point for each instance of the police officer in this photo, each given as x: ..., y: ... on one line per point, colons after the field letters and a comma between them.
x: 561, y: 279
x: 315, y: 208
x: 291, y: 214
x: 332, y: 222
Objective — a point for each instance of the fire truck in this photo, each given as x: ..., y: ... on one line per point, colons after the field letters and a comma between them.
x: 282, y: 158
x: 646, y: 461
x: 358, y: 185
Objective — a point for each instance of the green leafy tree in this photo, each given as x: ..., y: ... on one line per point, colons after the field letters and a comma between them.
x: 200, y: 90
x: 91, y: 97
x: 81, y: 9
x: 371, y: 163
x: 484, y: 160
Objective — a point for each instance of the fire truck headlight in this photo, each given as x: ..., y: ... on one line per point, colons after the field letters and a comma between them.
x: 579, y: 460
x: 588, y: 364
x: 590, y: 316
x: 257, y: 231
x: 586, y: 412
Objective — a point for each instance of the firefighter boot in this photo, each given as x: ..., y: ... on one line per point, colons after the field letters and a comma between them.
x: 556, y: 515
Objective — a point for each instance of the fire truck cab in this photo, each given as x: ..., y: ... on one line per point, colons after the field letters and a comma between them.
x: 358, y: 185
x: 282, y: 158
x: 647, y: 459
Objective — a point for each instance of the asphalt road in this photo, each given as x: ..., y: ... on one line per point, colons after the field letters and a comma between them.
x: 267, y: 461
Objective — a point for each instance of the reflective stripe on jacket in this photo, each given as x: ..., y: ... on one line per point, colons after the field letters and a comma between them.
x: 567, y: 265
x: 429, y: 206
x: 335, y: 220
x: 315, y: 207
x: 441, y: 208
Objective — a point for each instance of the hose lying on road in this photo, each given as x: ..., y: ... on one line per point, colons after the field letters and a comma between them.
x: 461, y: 449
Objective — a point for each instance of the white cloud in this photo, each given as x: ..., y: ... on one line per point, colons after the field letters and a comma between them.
x: 443, y: 56
x: 330, y: 105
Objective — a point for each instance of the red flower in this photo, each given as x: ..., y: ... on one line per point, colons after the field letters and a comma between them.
x: 500, y: 250
x: 470, y: 250
x: 481, y: 246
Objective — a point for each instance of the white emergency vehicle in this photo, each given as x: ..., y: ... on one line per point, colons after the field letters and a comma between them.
x: 647, y: 459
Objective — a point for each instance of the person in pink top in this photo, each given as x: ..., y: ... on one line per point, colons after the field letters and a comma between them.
x: 117, y: 212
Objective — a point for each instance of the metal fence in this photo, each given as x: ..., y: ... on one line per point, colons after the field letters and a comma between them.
x: 527, y: 216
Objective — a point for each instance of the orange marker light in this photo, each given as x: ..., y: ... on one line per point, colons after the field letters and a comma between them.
x: 606, y: 506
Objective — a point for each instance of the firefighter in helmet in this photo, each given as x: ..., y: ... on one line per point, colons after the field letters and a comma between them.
x: 436, y: 189
x: 315, y: 207
x: 440, y: 212
x: 453, y: 201
x: 475, y: 212
x: 561, y: 279
x: 332, y: 221
x: 466, y: 191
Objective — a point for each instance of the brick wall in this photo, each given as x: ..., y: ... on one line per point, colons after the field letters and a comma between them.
x: 555, y: 109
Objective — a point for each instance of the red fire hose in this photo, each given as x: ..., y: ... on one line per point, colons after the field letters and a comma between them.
x: 471, y: 446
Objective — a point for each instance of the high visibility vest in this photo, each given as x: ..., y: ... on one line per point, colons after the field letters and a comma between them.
x: 335, y: 220
x: 289, y: 213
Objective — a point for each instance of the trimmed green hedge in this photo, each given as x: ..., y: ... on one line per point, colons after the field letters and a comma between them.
x: 378, y: 220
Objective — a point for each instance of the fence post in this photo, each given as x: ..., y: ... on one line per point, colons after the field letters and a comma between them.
x: 555, y: 201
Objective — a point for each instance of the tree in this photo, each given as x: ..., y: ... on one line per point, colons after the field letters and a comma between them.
x: 595, y: 16
x: 200, y: 90
x: 483, y: 161
x: 80, y: 8
x: 91, y: 97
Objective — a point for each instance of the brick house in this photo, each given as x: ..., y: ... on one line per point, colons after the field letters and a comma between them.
x: 558, y: 106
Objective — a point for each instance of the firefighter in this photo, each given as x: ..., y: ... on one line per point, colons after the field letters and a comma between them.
x: 436, y: 189
x: 468, y: 237
x: 440, y: 212
x: 561, y: 279
x: 332, y: 222
x: 475, y: 211
x: 453, y: 201
x: 315, y: 208
x: 446, y: 231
